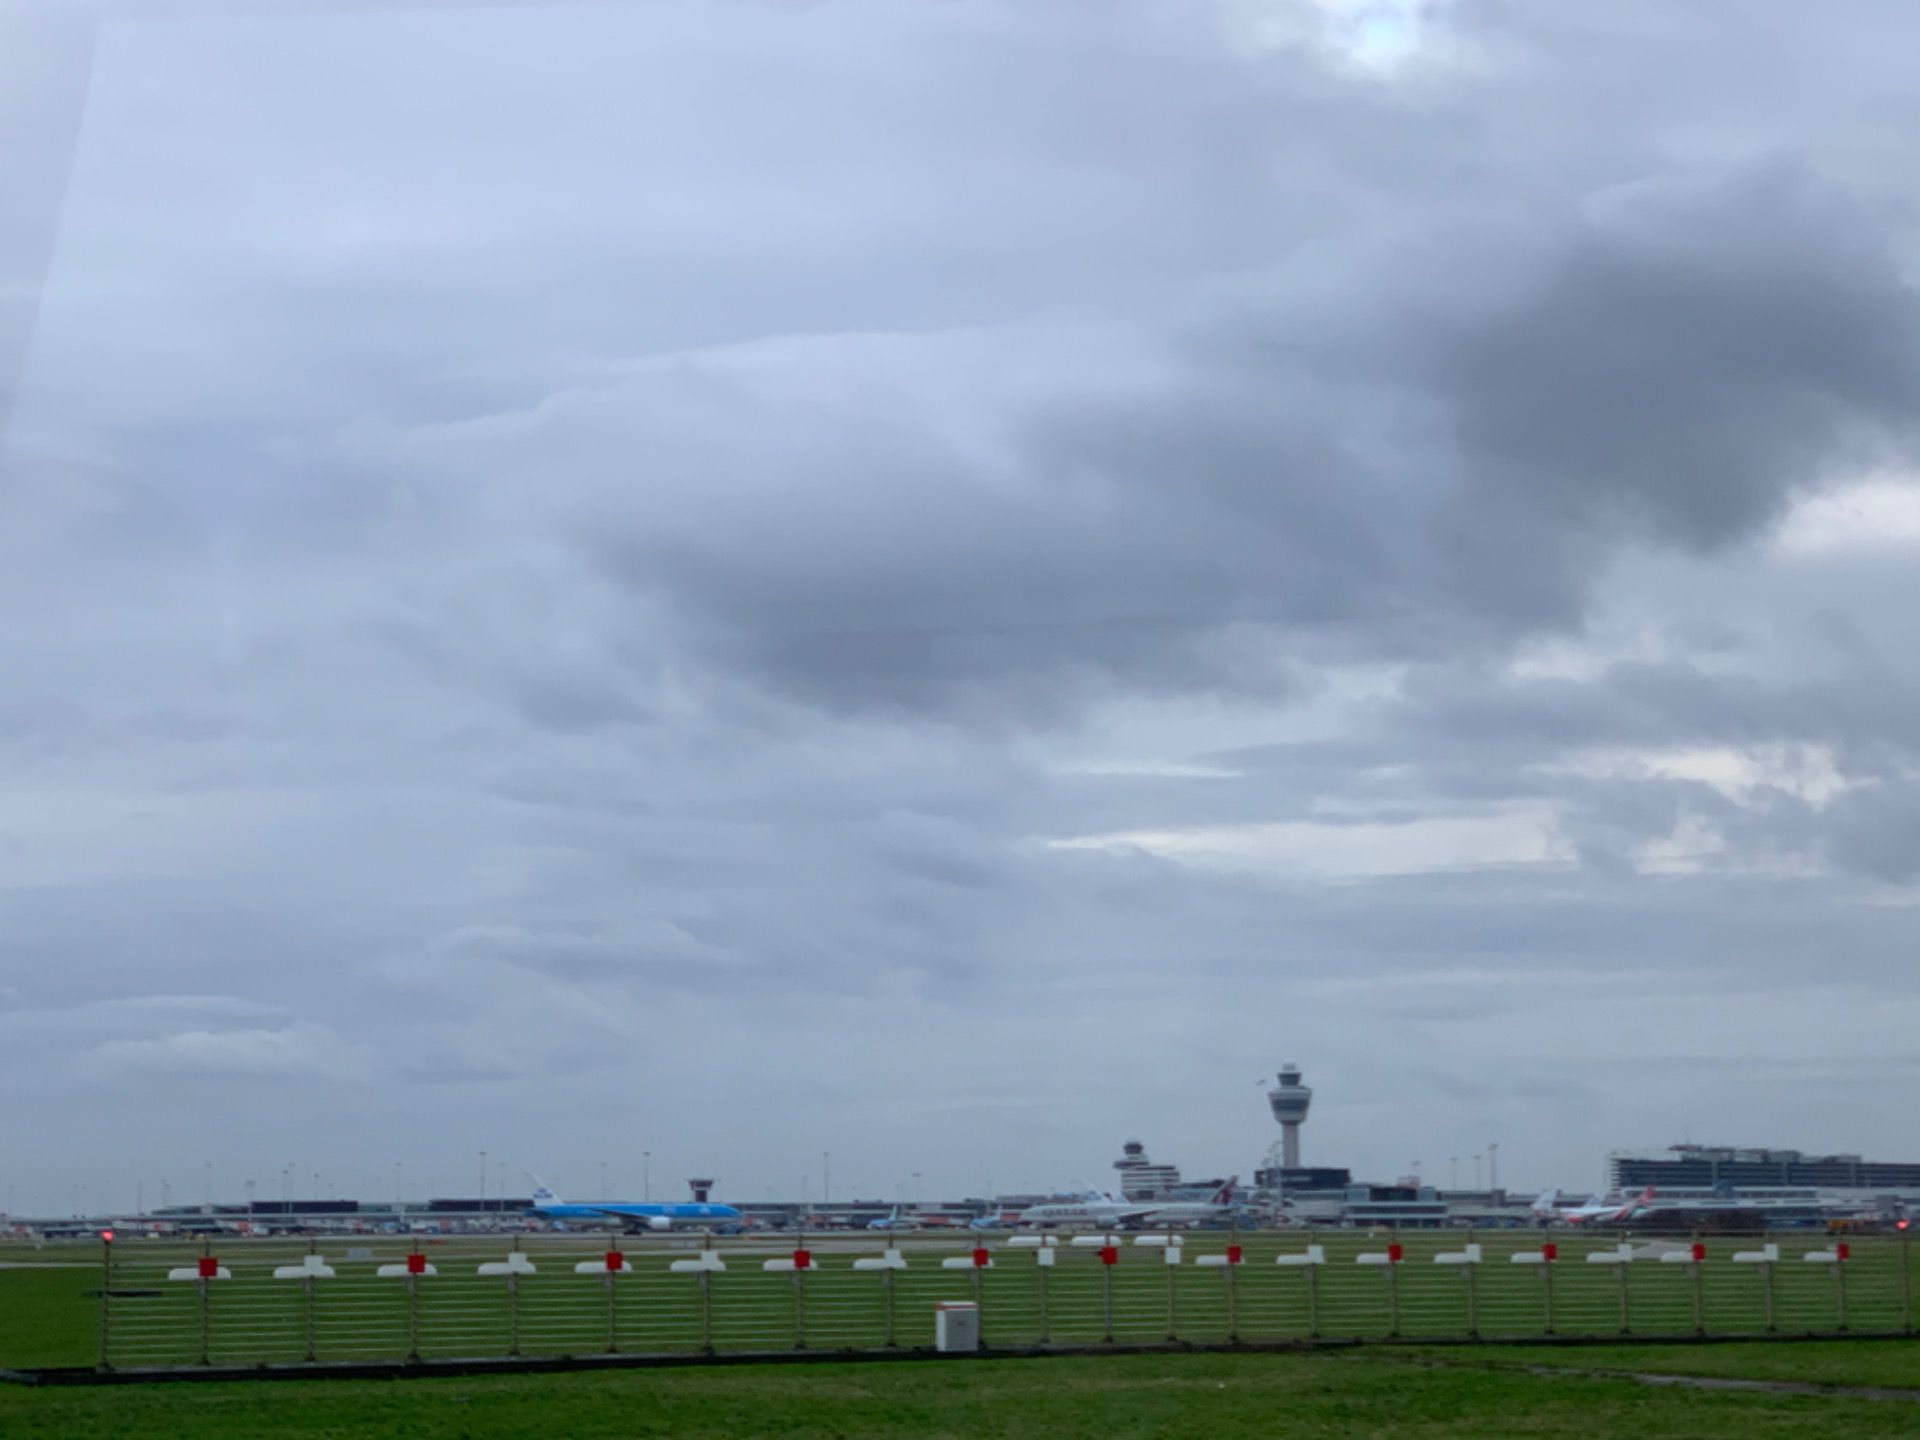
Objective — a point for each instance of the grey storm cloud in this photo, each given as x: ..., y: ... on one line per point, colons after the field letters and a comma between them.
x: 1674, y: 366
x: 949, y: 583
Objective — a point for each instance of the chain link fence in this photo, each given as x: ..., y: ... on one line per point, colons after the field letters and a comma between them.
x: 165, y: 1305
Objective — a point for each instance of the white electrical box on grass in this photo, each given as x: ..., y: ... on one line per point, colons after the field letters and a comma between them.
x: 956, y: 1327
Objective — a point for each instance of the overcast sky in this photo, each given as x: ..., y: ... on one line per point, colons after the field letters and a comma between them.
x: 952, y: 583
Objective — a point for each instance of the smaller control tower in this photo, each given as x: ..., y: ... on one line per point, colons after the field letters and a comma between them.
x: 1290, y: 1100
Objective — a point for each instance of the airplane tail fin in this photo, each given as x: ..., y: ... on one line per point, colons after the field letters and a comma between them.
x: 1645, y: 1197
x: 1548, y: 1199
x: 543, y: 1194
x: 1224, y: 1195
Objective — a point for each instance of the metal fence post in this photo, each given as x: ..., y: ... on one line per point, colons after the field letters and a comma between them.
x: 979, y: 1308
x: 1393, y: 1288
x: 1840, y: 1289
x: 1546, y: 1284
x: 799, y: 1298
x: 206, y: 1314
x: 613, y: 1299
x: 1766, y: 1277
x: 1473, y: 1309
x: 706, y: 1311
x: 513, y: 1305
x: 413, y: 1318
x: 1233, y: 1287
x: 1626, y: 1311
x: 1046, y: 1330
x: 106, y: 1300
x: 1106, y: 1283
x: 1699, y: 1285
x: 307, y: 1282
x: 1906, y: 1278
x: 1173, y: 1313
x: 1313, y: 1298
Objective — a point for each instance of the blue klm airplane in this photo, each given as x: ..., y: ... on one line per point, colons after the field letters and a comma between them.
x: 638, y: 1214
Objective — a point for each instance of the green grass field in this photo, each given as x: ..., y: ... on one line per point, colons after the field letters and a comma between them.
x: 48, y: 1316
x: 1351, y: 1394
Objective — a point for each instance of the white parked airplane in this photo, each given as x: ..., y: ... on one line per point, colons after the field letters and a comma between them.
x: 1100, y: 1207
x: 1599, y: 1208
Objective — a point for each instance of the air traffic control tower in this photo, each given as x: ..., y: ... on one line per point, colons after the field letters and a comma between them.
x: 1290, y: 1100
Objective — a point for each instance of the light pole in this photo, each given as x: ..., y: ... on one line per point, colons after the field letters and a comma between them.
x: 1493, y: 1165
x: 826, y: 1177
x: 646, y: 1175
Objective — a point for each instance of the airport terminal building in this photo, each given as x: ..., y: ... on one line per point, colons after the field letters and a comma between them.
x: 1706, y: 1166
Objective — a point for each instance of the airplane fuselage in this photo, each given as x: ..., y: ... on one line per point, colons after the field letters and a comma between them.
x: 642, y: 1212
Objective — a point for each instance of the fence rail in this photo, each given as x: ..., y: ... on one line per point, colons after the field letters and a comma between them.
x: 166, y: 1306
